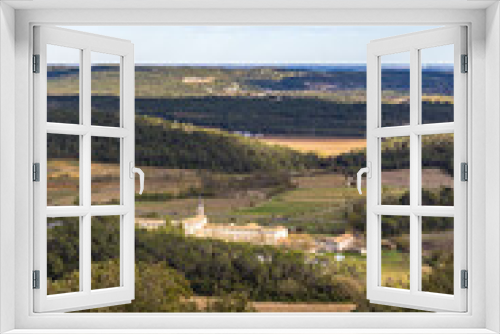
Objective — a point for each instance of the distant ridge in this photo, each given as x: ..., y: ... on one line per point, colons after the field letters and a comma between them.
x: 355, y: 67
x: 341, y: 67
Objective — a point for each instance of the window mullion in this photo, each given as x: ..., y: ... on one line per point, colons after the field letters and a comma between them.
x: 81, y: 250
x: 420, y: 129
x: 421, y: 211
x: 86, y: 177
x: 433, y: 128
x: 414, y: 171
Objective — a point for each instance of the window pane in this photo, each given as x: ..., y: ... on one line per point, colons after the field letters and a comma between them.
x: 437, y: 169
x: 105, y: 171
x: 395, y: 155
x: 105, y: 89
x: 395, y: 104
x: 63, y: 170
x: 437, y: 84
x: 105, y: 250
x: 63, y: 84
x: 395, y: 250
x: 63, y: 255
x: 437, y: 254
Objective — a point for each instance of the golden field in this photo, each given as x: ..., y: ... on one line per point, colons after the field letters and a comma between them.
x: 321, y: 146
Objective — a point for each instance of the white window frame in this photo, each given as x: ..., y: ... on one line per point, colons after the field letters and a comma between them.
x: 484, y: 49
x: 375, y: 132
x: 86, y: 297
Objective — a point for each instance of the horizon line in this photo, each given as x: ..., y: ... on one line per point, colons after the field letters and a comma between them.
x: 256, y: 64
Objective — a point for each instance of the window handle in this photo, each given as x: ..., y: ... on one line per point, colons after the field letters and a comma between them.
x: 368, y: 171
x: 134, y: 170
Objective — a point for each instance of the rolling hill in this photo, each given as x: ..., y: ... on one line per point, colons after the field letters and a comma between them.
x: 176, y: 145
x: 265, y: 100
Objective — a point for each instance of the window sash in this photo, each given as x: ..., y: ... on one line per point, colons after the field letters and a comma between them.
x: 413, y: 298
x: 86, y: 297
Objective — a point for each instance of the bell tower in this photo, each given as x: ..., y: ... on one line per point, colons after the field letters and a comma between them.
x: 200, y: 211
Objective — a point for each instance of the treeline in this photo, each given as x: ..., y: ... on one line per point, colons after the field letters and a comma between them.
x: 171, y: 144
x: 286, y: 116
x: 212, y: 267
x: 437, y: 152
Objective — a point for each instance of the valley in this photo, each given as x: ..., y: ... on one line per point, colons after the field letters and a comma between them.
x: 270, y: 146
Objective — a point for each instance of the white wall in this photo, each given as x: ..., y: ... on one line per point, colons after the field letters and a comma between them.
x: 7, y: 160
x: 492, y: 165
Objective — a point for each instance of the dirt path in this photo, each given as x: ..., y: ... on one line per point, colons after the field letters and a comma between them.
x: 303, y: 307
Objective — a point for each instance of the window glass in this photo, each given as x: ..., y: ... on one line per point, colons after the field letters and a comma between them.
x: 395, y: 252
x: 395, y: 94
x: 63, y: 84
x: 63, y: 170
x: 105, y: 76
x: 395, y: 183
x: 63, y: 255
x: 437, y: 84
x: 105, y: 171
x: 437, y: 169
x: 437, y: 254
x: 105, y: 249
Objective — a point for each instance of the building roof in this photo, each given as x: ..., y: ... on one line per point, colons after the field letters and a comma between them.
x: 149, y: 221
x: 339, y: 238
x: 194, y: 220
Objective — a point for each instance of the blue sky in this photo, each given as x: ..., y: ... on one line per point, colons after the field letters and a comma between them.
x: 249, y: 44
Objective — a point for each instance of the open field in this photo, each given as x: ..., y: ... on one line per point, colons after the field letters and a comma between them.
x: 432, y: 178
x: 63, y: 181
x: 321, y: 146
x: 201, y: 303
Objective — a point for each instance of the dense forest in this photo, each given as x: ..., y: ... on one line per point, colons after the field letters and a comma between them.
x: 297, y: 116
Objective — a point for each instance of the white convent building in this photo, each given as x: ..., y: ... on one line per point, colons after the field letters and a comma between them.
x: 199, y: 226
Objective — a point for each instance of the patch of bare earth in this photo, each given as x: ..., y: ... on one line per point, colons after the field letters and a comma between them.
x: 432, y: 178
x: 181, y: 208
x: 63, y: 181
x: 321, y: 181
x: 302, y: 307
x: 202, y: 302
